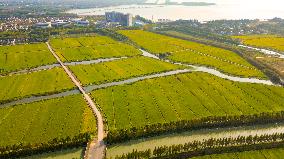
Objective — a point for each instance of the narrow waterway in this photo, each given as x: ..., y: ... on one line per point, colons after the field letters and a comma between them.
x: 93, y: 61
x: 199, y: 135
x: 90, y: 88
x: 132, y: 80
x: 214, y: 71
x: 265, y: 51
x: 39, y: 98
x: 45, y: 67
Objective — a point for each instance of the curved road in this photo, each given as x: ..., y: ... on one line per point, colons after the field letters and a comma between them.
x: 97, y: 147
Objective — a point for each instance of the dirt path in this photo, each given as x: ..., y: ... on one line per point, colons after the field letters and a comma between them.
x: 97, y: 147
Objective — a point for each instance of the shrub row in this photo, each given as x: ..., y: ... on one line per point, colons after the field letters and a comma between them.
x: 21, y: 150
x: 210, y: 146
x: 121, y: 135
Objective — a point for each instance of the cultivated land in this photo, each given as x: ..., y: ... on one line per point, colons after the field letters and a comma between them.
x: 64, y: 154
x: 188, y: 52
x: 272, y: 42
x: 42, y: 122
x: 34, y: 84
x: 90, y: 48
x: 171, y: 99
x: 19, y: 57
x: 184, y: 97
x: 120, y: 69
x: 259, y: 154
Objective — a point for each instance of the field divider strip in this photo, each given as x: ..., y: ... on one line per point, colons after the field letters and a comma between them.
x: 136, y: 79
x: 211, y: 71
x: 39, y: 98
x: 96, y: 150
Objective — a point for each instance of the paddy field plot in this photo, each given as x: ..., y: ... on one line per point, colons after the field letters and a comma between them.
x: 120, y: 69
x: 276, y: 153
x: 19, y: 57
x: 43, y: 121
x: 272, y: 42
x: 76, y: 153
x: 184, y: 97
x: 34, y: 84
x: 189, y: 52
x: 90, y: 48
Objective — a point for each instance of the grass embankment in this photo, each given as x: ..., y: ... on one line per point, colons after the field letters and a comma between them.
x: 120, y: 69
x: 64, y: 154
x: 34, y: 84
x: 45, y: 125
x: 193, y: 53
x: 276, y: 153
x: 189, y: 136
x: 188, y: 97
x: 270, y: 42
x: 19, y: 57
x: 90, y: 48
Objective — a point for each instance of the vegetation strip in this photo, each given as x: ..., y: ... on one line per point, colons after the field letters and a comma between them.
x: 270, y: 42
x: 193, y: 53
x: 45, y: 125
x: 121, y: 69
x: 210, y: 146
x: 92, y: 61
x: 270, y: 153
x: 39, y: 98
x: 41, y: 83
x: 136, y: 79
x: 190, y: 136
x: 212, y: 71
x: 198, y: 104
x: 91, y: 48
x: 21, y: 57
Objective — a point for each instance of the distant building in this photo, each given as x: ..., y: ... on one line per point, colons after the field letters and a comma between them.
x: 122, y: 19
x: 43, y: 25
x: 82, y: 22
x: 60, y: 23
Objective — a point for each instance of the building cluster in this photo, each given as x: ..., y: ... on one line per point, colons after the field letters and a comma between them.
x: 62, y: 23
x: 21, y: 23
x: 119, y: 18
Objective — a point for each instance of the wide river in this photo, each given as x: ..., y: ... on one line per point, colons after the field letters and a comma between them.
x: 224, y: 9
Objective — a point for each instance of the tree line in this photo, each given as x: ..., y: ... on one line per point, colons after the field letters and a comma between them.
x: 20, y: 150
x: 121, y: 135
x: 210, y: 146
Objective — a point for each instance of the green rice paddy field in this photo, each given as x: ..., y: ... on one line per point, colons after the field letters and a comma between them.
x: 90, y: 48
x: 36, y: 83
x: 19, y: 57
x: 43, y: 121
x: 120, y: 69
x: 273, y: 42
x: 184, y: 97
x: 189, y: 52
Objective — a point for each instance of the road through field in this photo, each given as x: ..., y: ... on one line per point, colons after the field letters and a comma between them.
x: 97, y: 147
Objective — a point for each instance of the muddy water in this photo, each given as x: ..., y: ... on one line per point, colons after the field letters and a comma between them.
x: 132, y: 80
x: 33, y: 69
x: 264, y: 51
x: 39, y: 98
x: 199, y: 135
x: 215, y: 72
x: 93, y: 61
